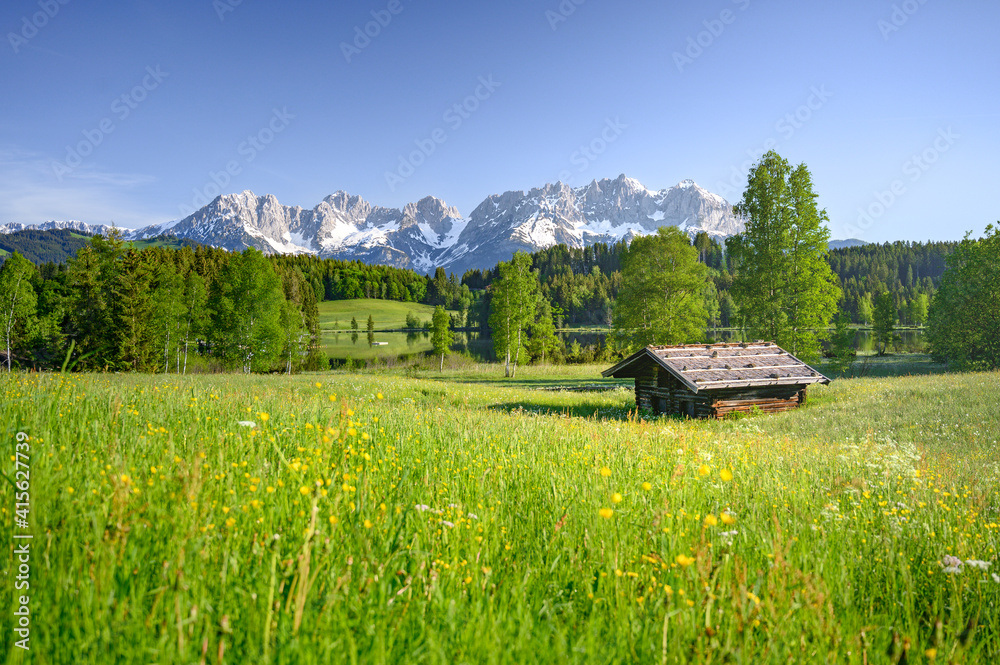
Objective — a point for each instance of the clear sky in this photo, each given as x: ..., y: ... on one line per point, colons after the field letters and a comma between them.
x: 132, y: 112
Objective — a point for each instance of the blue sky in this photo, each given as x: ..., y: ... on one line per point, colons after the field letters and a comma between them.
x: 139, y: 112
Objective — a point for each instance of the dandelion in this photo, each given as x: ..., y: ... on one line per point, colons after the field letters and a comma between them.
x: 647, y: 486
x: 684, y: 560
x: 711, y: 520
x: 368, y: 524
x: 379, y: 396
x: 726, y: 475
x: 605, y: 471
x: 304, y: 490
x: 230, y: 522
x: 319, y: 385
x: 930, y: 654
x: 69, y: 490
x: 270, y: 490
x: 263, y: 417
x: 606, y: 513
x: 703, y: 470
x: 616, y: 498
x: 333, y: 520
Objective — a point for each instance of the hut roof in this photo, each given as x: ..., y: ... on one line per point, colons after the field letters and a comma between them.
x: 718, y: 366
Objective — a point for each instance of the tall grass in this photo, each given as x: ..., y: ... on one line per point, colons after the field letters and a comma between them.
x: 380, y: 518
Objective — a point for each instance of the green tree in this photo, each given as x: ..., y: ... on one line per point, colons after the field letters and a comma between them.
x: 842, y: 343
x: 18, y: 302
x: 371, y: 330
x: 512, y: 308
x: 884, y: 321
x: 354, y: 323
x: 662, y: 295
x: 543, y: 332
x: 169, y: 310
x: 92, y: 278
x: 196, y: 316
x: 866, y: 311
x: 247, y: 313
x: 441, y: 338
x: 134, y: 325
x: 964, y: 316
x: 918, y: 308
x: 784, y: 287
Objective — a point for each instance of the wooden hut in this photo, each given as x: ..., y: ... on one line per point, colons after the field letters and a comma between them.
x: 713, y: 380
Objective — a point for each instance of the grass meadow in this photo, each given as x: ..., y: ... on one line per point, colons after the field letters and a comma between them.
x: 387, y: 314
x: 369, y: 518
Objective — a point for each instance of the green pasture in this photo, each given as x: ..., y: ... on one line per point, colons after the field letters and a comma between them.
x: 377, y: 518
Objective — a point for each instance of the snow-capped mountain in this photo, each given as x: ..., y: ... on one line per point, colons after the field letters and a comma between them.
x: 72, y: 225
x: 430, y: 234
x: 603, y: 211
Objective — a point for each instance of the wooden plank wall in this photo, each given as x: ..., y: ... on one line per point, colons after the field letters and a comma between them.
x: 658, y: 391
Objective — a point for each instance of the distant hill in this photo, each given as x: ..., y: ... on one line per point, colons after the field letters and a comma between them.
x: 42, y: 246
x: 58, y: 245
x: 850, y: 242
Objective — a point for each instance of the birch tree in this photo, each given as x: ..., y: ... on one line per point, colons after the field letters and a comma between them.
x: 784, y: 287
x: 17, y: 300
x: 247, y: 312
x: 512, y: 309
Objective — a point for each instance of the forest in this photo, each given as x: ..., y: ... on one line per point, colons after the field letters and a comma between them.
x: 146, y: 309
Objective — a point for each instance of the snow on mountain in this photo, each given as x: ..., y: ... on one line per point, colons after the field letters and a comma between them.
x: 72, y: 225
x: 428, y: 233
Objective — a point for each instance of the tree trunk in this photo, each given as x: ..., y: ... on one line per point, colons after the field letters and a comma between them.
x: 441, y: 368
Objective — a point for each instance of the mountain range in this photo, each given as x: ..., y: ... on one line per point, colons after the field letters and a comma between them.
x: 428, y: 233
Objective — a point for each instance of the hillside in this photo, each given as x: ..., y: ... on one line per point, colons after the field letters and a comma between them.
x: 58, y: 245
x: 42, y: 246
